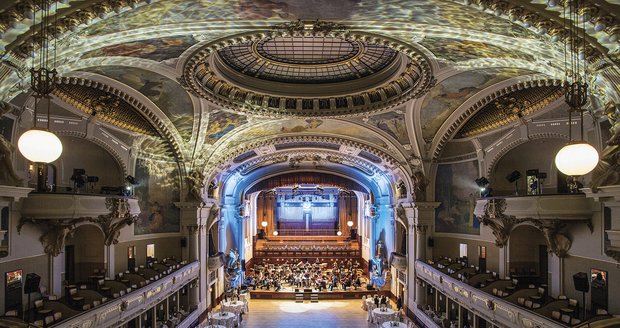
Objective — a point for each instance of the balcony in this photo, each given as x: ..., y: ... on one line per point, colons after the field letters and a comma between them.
x: 120, y: 310
x: 58, y: 206
x: 540, y: 207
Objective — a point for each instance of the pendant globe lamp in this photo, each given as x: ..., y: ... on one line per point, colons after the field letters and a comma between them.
x: 578, y: 157
x: 38, y: 144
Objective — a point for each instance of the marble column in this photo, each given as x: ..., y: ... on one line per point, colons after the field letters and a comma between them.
x: 420, y: 254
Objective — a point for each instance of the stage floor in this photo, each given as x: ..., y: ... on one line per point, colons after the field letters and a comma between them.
x: 288, y: 292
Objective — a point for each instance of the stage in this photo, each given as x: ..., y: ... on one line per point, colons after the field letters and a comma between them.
x: 289, y: 293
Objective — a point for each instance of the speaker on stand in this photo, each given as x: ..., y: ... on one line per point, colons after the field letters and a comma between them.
x: 582, y: 284
x: 31, y: 285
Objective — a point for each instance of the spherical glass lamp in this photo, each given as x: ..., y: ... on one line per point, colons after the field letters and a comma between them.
x: 39, y: 146
x: 339, y: 233
x: 264, y: 224
x: 349, y: 223
x: 576, y: 159
x: 275, y: 233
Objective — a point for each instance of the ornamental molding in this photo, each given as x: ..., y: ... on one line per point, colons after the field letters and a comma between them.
x: 415, y: 81
x: 55, y: 232
x: 494, y: 216
x: 166, y: 132
x: 111, y: 224
x: 448, y: 133
x: 220, y: 162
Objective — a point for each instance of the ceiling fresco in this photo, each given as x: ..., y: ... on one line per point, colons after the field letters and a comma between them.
x: 457, y: 50
x: 154, y: 49
x: 221, y: 123
x: 167, y: 94
x: 278, y: 128
x: 424, y: 12
x: 393, y: 124
x: 449, y: 94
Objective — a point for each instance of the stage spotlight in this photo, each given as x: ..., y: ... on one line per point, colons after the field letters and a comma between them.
x: 485, y: 190
x: 514, y: 177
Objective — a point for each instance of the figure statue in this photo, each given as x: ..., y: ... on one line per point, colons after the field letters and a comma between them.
x: 419, y: 184
x: 8, y: 176
x: 376, y: 269
x: 195, y: 185
x: 233, y: 257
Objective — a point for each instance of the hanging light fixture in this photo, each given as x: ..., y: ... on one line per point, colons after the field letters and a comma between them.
x: 577, y: 158
x: 349, y: 223
x: 38, y: 144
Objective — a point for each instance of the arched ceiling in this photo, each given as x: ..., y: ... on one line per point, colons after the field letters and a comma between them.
x: 474, y: 52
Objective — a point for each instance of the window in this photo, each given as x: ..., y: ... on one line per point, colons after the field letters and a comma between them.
x: 482, y: 252
x: 131, y: 252
x: 463, y: 250
x: 150, y: 250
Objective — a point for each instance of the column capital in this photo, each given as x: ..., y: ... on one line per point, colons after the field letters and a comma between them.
x: 421, y: 228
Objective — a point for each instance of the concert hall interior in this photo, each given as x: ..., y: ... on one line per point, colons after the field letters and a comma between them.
x: 318, y: 163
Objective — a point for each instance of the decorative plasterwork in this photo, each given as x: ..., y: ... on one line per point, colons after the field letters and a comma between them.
x: 509, y: 108
x: 551, y: 214
x: 156, y: 123
x: 459, y: 121
x: 111, y: 224
x: 414, y: 81
x: 387, y: 159
x: 60, y: 214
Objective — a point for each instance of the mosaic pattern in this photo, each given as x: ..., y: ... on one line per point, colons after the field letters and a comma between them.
x: 457, y: 191
x: 167, y: 94
x: 456, y: 50
x: 153, y: 49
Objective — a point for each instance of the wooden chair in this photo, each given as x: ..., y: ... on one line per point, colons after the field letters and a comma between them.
x: 556, y: 315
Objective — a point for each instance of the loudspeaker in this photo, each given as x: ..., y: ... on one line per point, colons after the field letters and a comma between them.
x: 431, y: 242
x: 353, y: 234
x: 261, y: 234
x: 32, y: 283
x: 370, y: 287
x: 183, y: 242
x: 582, y: 284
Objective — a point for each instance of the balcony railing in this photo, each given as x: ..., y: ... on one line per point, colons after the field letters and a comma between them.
x: 491, y: 308
x: 122, y: 309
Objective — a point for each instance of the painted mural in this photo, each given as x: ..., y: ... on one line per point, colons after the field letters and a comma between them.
x: 393, y: 124
x: 422, y: 11
x: 220, y: 123
x: 167, y: 94
x: 460, y: 50
x: 310, y: 125
x: 457, y: 191
x: 154, y: 49
x: 449, y: 94
x: 157, y: 190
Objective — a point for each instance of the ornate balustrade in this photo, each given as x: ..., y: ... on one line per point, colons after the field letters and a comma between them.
x: 492, y: 309
x: 120, y: 310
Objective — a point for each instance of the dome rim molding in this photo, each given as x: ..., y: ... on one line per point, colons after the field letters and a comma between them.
x: 418, y: 74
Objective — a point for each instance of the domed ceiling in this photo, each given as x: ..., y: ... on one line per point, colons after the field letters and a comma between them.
x: 380, y: 86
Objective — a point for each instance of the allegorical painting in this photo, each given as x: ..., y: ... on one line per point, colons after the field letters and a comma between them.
x: 393, y: 124
x: 444, y: 98
x: 220, y: 123
x: 154, y: 49
x: 156, y: 191
x: 166, y: 93
x: 461, y: 50
x: 457, y: 191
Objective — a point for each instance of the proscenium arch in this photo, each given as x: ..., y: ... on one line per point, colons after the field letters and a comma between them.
x: 382, y: 227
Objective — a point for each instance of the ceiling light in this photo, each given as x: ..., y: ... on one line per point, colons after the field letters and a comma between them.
x: 349, y: 223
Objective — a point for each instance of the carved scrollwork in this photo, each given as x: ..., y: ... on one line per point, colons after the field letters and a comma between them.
x: 55, y: 232
x: 500, y: 223
x: 112, y: 223
x: 558, y: 243
x: 195, y: 185
x: 419, y: 182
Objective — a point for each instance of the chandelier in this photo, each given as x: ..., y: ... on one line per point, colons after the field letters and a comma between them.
x: 578, y: 157
x: 38, y: 144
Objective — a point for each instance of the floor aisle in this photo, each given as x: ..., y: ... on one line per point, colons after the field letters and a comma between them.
x: 288, y: 314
